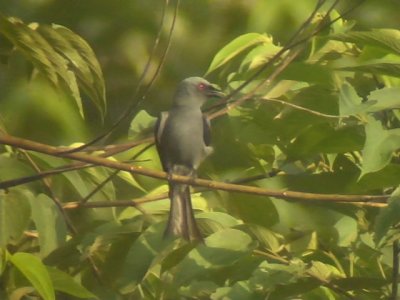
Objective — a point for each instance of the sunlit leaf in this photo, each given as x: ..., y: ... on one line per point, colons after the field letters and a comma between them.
x: 384, y: 99
x: 259, y: 56
x: 347, y: 231
x: 379, y: 146
x: 324, y: 271
x: 35, y: 272
x: 235, y: 47
x: 349, y: 102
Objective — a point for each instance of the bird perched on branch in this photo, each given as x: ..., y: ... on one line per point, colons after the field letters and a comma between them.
x: 183, y: 140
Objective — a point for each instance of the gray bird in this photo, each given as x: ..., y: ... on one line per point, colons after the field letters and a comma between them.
x: 183, y: 140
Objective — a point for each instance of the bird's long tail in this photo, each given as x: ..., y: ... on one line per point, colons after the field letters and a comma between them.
x: 181, y: 221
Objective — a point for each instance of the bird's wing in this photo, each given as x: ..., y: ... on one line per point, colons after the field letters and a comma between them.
x: 158, y: 132
x: 206, y: 131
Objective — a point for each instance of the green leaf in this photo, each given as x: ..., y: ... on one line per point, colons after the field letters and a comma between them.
x: 14, y: 215
x: 49, y: 223
x: 198, y: 289
x: 259, y: 56
x: 379, y: 146
x: 140, y: 257
x: 239, y: 291
x: 61, y: 56
x: 86, y: 78
x: 20, y: 36
x: 235, y: 47
x: 376, y: 67
x: 65, y: 283
x: 359, y: 283
x: 384, y: 99
x: 141, y: 123
x: 306, y: 72
x: 89, y: 57
x: 349, y: 102
x: 324, y: 138
x: 12, y: 168
x: 214, y: 221
x: 389, y: 39
x: 323, y: 271
x: 269, y: 239
x: 221, y: 249
x: 347, y: 231
x: 388, y: 216
x: 269, y: 275
x: 36, y: 273
x: 72, y: 178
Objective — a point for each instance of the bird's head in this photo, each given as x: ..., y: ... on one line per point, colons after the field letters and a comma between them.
x: 195, y: 91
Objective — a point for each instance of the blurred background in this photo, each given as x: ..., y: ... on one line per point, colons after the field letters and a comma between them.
x: 122, y: 33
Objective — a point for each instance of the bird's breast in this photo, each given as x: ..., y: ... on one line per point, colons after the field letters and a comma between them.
x: 183, y: 138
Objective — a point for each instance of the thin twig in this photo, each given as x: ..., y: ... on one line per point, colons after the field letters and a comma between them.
x: 288, y: 59
x: 56, y: 201
x: 111, y: 176
x: 395, y: 270
x: 310, y: 111
x: 293, y: 42
x: 134, y: 104
x: 108, y: 151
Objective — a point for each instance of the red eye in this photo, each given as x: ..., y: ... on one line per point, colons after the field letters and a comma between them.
x: 201, y: 86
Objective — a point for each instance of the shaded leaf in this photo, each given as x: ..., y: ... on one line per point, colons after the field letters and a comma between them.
x: 87, y: 54
x: 85, y: 76
x: 221, y: 249
x: 49, y: 223
x: 14, y: 215
x: 269, y: 275
x: 358, y: 283
x: 239, y: 291
x: 388, y: 216
x: 389, y: 39
x: 65, y: 283
x: 376, y: 67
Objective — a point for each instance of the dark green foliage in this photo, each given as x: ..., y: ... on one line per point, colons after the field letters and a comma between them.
x: 329, y: 122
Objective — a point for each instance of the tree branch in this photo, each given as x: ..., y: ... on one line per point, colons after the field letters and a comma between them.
x: 215, y: 185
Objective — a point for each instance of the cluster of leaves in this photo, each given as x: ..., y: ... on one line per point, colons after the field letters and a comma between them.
x: 328, y: 121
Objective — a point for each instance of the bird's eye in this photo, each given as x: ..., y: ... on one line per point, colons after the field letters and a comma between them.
x: 201, y: 86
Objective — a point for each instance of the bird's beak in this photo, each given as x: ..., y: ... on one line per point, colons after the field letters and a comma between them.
x: 214, y: 91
